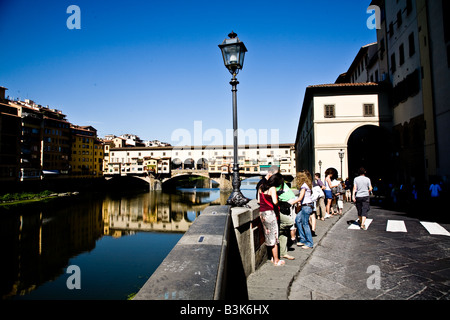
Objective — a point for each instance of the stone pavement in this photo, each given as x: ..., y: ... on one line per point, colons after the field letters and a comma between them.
x: 377, y: 264
x: 273, y: 283
x: 361, y: 265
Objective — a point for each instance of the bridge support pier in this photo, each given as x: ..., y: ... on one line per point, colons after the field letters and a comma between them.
x: 224, y: 183
x: 154, y: 184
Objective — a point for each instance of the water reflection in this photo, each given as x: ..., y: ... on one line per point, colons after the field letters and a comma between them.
x: 39, y: 241
x: 157, y: 211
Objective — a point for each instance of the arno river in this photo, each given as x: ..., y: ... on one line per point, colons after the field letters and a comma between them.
x: 117, y: 241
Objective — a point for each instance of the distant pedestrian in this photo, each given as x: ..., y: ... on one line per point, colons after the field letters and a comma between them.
x: 414, y: 192
x: 362, y: 187
x: 268, y: 213
x: 306, y: 208
x: 435, y: 194
x: 435, y: 190
x: 348, y: 190
x: 329, y: 175
x: 320, y: 203
x: 340, y: 197
x: 335, y: 191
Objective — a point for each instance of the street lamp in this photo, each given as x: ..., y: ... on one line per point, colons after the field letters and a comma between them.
x: 320, y: 167
x: 233, y: 52
x: 341, y: 156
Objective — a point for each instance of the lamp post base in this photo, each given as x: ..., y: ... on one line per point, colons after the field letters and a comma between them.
x: 237, y: 199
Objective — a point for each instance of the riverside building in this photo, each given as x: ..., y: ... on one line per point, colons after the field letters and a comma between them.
x: 38, y: 142
x: 408, y: 69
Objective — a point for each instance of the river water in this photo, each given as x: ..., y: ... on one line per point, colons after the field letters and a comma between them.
x: 115, y: 241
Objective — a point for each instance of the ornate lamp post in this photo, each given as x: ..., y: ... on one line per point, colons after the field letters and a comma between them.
x: 341, y: 156
x: 233, y: 52
x: 320, y: 167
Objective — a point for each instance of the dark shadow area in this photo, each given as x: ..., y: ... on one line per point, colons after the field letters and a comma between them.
x: 235, y: 280
x: 126, y: 184
x: 424, y: 209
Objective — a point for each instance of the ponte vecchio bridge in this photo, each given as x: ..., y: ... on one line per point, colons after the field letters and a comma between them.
x: 158, y: 165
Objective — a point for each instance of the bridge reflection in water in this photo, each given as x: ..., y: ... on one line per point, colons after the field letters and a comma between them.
x: 158, y: 211
x: 117, y: 240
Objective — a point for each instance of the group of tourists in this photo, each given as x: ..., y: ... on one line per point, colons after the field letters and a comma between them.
x: 289, y: 218
x: 284, y: 215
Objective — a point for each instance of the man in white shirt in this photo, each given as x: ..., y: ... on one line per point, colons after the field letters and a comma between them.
x: 362, y: 187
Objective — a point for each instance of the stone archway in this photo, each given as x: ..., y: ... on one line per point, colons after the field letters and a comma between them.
x: 202, y: 164
x: 370, y: 147
x: 176, y: 164
x: 189, y: 163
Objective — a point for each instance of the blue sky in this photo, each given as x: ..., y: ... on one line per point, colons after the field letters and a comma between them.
x: 153, y: 67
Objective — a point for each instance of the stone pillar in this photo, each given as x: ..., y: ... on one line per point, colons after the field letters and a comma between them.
x: 225, y: 184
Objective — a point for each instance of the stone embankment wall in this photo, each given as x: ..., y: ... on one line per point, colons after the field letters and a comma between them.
x: 213, y: 259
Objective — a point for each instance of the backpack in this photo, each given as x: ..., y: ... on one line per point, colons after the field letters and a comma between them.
x: 337, y: 189
x: 285, y: 207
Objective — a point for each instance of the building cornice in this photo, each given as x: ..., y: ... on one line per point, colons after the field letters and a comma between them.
x: 214, y: 147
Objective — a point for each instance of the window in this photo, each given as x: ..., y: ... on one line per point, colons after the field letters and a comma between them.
x: 409, y: 87
x: 448, y: 56
x: 329, y: 111
x: 399, y: 19
x: 408, y: 6
x: 382, y: 49
x: 369, y: 110
x: 393, y: 65
x: 412, y: 47
x: 402, y: 54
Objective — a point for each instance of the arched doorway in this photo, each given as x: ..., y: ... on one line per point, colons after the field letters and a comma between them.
x: 371, y: 147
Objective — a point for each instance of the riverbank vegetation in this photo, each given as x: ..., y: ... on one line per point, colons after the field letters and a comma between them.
x: 14, y: 198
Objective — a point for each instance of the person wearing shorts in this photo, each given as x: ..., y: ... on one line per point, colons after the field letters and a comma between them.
x: 362, y: 187
x: 268, y: 213
x: 328, y: 193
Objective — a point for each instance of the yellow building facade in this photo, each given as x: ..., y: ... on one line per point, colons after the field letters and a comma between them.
x: 87, y: 153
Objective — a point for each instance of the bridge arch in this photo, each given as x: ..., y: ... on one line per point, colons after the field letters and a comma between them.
x: 189, y: 163
x: 202, y: 164
x: 176, y: 164
x: 133, y: 181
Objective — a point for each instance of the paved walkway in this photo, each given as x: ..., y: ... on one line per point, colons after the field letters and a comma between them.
x: 274, y: 283
x: 399, y: 257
